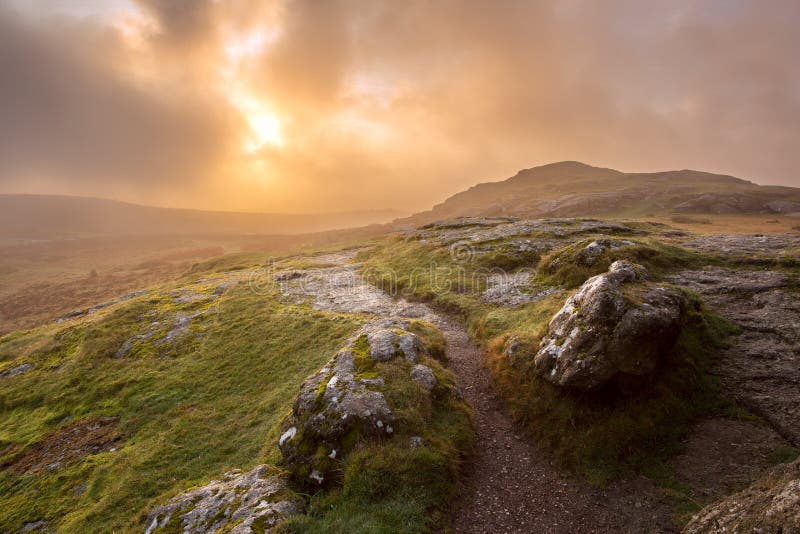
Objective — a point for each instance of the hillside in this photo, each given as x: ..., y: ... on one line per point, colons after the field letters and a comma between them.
x: 570, y: 188
x: 54, y: 216
x: 356, y: 389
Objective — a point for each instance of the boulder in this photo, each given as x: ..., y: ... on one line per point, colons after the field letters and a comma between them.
x: 771, y: 504
x: 256, y: 501
x: 586, y: 253
x: 616, y: 326
x: 343, y: 404
x: 423, y: 375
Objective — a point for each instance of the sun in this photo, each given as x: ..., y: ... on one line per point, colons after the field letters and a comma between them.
x: 263, y: 125
x: 265, y: 129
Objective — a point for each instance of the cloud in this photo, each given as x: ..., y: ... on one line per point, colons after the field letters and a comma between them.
x: 73, y: 121
x: 395, y: 104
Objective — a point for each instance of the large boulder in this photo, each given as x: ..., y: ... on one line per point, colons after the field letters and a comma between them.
x: 770, y: 505
x: 240, y: 503
x: 616, y: 326
x: 343, y: 403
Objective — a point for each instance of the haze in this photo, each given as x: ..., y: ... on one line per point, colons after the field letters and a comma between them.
x: 308, y: 106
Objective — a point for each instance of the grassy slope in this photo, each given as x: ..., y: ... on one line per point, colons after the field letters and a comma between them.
x: 211, y: 406
x: 210, y: 403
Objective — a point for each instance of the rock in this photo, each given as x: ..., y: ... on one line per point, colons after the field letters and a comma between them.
x: 783, y: 206
x: 514, y: 289
x: 18, y: 370
x: 584, y: 253
x: 602, y: 333
x: 766, y: 246
x: 255, y: 501
x: 289, y: 275
x: 386, y: 342
x: 33, y: 527
x: 483, y: 234
x: 760, y: 367
x: 589, y: 254
x: 721, y: 203
x: 341, y: 404
x: 772, y: 504
x: 415, y: 442
x: 423, y: 375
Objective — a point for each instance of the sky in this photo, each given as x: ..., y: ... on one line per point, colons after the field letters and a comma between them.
x: 339, y: 105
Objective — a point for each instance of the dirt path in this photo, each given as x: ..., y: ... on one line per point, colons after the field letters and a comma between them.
x: 510, y: 486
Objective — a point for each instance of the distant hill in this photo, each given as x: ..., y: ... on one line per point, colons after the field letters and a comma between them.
x: 54, y: 216
x: 570, y: 188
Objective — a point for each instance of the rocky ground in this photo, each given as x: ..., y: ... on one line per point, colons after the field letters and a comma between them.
x: 761, y: 368
x: 512, y: 486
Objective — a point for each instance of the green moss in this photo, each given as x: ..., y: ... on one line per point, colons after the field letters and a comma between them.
x: 361, y: 358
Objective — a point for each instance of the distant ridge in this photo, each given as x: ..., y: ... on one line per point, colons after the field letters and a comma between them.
x: 56, y: 216
x: 572, y: 188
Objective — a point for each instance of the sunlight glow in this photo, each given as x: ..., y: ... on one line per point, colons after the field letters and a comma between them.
x: 264, y: 125
x: 266, y: 130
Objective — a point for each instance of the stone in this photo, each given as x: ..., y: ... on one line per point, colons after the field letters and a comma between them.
x: 387, y: 340
x: 601, y: 333
x: 759, y: 367
x: 256, y: 501
x: 772, y: 504
x: 18, y: 370
x: 423, y: 375
x: 342, y: 403
x: 415, y: 442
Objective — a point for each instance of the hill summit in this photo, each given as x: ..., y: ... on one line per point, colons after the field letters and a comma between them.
x: 571, y: 188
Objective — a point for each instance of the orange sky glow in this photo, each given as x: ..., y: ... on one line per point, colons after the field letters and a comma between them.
x: 308, y: 106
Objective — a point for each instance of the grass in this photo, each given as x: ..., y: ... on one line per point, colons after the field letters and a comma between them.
x: 390, y: 486
x: 604, y: 435
x: 211, y: 402
x: 210, y: 407
x: 559, y: 266
x: 386, y: 489
x: 600, y: 436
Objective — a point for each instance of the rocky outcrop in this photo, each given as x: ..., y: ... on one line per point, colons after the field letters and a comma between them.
x: 753, y: 247
x: 343, y: 403
x: 616, y: 325
x: 771, y: 505
x: 241, y: 503
x: 760, y: 367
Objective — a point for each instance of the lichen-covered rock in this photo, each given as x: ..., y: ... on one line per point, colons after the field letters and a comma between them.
x: 771, y: 505
x: 343, y: 402
x: 423, y: 375
x: 387, y: 340
x: 615, y: 325
x: 241, y: 503
x: 586, y: 253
